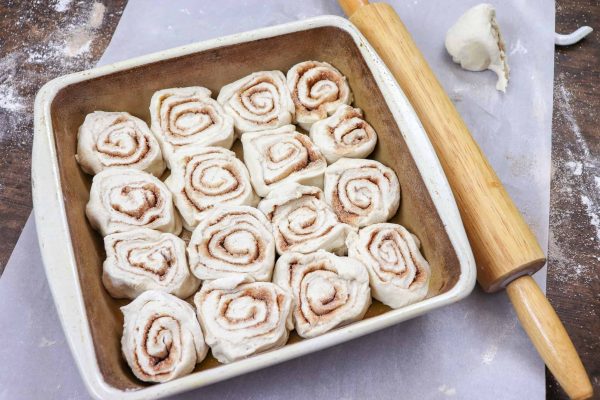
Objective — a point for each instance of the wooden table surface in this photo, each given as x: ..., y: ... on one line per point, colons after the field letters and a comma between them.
x: 49, y: 39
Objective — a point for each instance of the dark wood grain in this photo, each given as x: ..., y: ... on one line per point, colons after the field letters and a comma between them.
x: 574, y: 249
x: 43, y: 43
x: 38, y: 43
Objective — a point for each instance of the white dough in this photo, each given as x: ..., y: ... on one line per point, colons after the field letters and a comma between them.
x: 126, y: 199
x: 362, y: 192
x: 117, y: 140
x: 317, y: 89
x: 344, y: 134
x: 302, y: 220
x: 232, y: 240
x: 475, y: 42
x: 398, y: 273
x: 203, y: 177
x: 278, y: 156
x: 143, y: 259
x: 162, y: 339
x: 188, y: 115
x: 329, y: 291
x: 258, y: 101
x: 241, y: 317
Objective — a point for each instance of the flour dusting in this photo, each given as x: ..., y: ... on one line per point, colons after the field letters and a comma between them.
x: 447, y: 390
x: 490, y: 353
x: 593, y: 213
x: 46, y: 342
x: 576, y: 167
x: 62, y: 5
x: 518, y: 48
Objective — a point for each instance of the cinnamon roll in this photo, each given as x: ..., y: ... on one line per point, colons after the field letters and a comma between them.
x: 283, y: 155
x: 258, y: 101
x: 144, y: 259
x: 117, y: 140
x: 318, y: 89
x: 329, y: 291
x: 202, y: 177
x: 241, y: 317
x: 232, y: 240
x: 302, y: 220
x: 126, y: 199
x: 184, y: 116
x: 162, y: 339
x: 344, y: 134
x: 362, y: 192
x: 399, y: 274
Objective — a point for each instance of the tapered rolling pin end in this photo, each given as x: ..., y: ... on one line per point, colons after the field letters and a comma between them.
x: 549, y: 337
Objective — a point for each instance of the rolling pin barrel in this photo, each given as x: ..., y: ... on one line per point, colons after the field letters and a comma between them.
x: 505, y: 248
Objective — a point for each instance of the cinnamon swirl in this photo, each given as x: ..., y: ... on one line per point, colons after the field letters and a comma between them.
x: 241, y: 317
x: 329, y: 291
x: 399, y: 274
x: 117, y: 140
x: 317, y: 89
x: 302, y: 220
x: 232, y: 240
x: 362, y: 192
x: 184, y: 116
x: 283, y: 155
x: 258, y: 101
x: 144, y: 259
x: 344, y: 134
x: 203, y: 177
x: 162, y: 339
x: 126, y: 199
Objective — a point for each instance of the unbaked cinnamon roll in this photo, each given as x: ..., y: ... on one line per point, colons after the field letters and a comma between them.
x: 117, y: 140
x: 258, y: 101
x: 329, y: 291
x: 184, y: 116
x: 162, y: 339
x: 362, y: 192
x: 126, y: 199
x: 241, y: 317
x: 232, y: 240
x: 203, y: 177
x: 302, y: 220
x: 344, y: 134
x: 283, y: 155
x: 399, y: 274
x: 318, y: 89
x: 144, y: 259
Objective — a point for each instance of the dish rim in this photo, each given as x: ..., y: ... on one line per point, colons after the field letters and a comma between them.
x: 58, y: 254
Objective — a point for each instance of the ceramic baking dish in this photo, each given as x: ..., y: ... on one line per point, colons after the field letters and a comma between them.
x: 73, y: 252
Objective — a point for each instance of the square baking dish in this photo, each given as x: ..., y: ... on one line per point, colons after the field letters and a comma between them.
x: 73, y: 252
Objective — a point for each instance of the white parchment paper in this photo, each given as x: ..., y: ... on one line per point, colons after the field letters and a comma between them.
x: 474, y: 349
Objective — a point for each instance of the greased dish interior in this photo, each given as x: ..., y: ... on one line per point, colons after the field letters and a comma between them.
x: 131, y: 90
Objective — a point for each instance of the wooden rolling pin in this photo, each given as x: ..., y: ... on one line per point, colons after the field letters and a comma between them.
x: 505, y: 249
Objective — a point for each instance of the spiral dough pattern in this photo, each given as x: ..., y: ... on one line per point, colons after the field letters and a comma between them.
x: 185, y: 116
x: 232, y: 240
x: 329, y: 291
x: 362, y: 192
x: 202, y: 177
x: 162, y: 339
x: 241, y: 317
x: 344, y: 134
x: 302, y: 220
x: 258, y: 101
x: 399, y: 274
x: 126, y: 199
x: 317, y: 89
x: 117, y: 140
x: 279, y: 156
x: 144, y: 259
